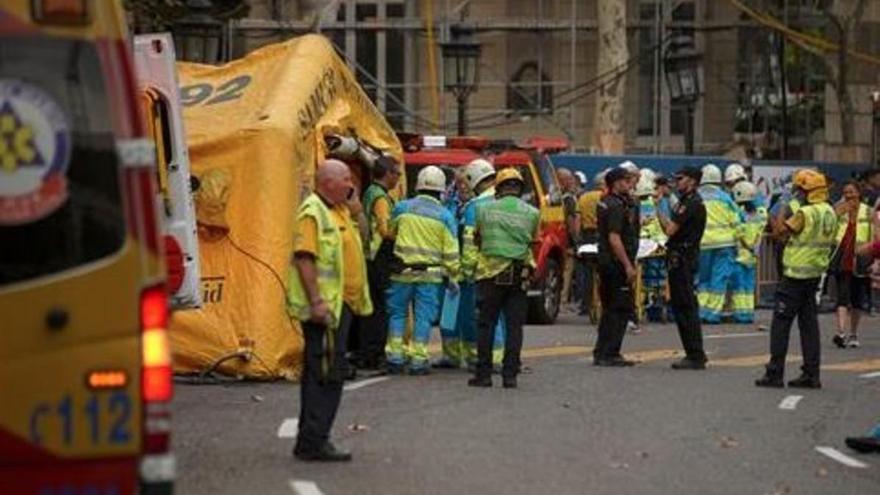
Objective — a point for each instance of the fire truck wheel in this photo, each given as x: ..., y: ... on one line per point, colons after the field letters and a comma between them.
x: 543, y: 309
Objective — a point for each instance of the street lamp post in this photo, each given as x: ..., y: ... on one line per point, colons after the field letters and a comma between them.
x: 684, y: 76
x: 198, y: 36
x: 461, y: 61
x: 875, y: 123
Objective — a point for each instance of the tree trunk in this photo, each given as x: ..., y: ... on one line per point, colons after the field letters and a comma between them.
x: 844, y: 98
x: 609, y: 122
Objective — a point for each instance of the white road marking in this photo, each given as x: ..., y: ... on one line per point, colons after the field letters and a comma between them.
x: 875, y: 374
x: 735, y: 335
x: 790, y: 403
x: 289, y: 428
x: 841, y: 457
x: 364, y: 383
x: 305, y: 488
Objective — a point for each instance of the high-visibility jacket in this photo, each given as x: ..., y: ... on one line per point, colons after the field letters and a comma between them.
x: 468, y: 225
x: 507, y: 228
x: 373, y: 194
x: 651, y: 228
x: 864, y: 229
x: 808, y: 253
x: 588, y: 205
x: 722, y: 218
x: 329, y: 264
x: 426, y: 240
x: 748, y: 236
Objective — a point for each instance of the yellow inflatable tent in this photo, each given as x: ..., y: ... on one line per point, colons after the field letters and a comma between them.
x: 255, y: 130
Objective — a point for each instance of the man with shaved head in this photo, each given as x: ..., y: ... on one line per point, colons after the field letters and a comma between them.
x: 327, y: 288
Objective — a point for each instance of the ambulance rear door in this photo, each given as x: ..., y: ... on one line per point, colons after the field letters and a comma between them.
x: 157, y: 80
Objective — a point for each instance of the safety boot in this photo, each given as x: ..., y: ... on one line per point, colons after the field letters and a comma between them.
x: 805, y: 381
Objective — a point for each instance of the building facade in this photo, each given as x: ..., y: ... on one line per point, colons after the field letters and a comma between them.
x: 538, y: 69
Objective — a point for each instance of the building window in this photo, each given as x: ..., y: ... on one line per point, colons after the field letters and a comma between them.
x: 683, y: 12
x: 647, y: 90
x: 528, y: 93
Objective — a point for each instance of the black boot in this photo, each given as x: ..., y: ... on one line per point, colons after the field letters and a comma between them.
x: 770, y: 382
x: 865, y: 445
x: 805, y: 381
x: 509, y: 381
x: 689, y: 364
x: 327, y: 453
x: 480, y: 381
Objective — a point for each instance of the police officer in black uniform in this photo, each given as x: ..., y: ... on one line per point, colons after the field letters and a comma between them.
x: 618, y: 230
x: 685, y: 229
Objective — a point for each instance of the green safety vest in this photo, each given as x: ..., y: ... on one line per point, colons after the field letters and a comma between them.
x: 863, y: 225
x: 374, y: 193
x: 329, y: 263
x: 808, y: 253
x: 506, y: 227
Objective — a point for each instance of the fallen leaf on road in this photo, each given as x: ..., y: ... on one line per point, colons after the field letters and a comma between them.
x: 358, y: 427
x: 728, y: 442
x: 643, y: 455
x: 618, y: 465
x: 821, y: 472
x: 566, y: 405
x: 781, y: 488
x: 257, y: 398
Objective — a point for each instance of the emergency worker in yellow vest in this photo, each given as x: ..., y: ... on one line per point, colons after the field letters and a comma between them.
x: 378, y: 205
x: 327, y: 288
x: 426, y: 254
x: 460, y: 343
x: 653, y: 268
x: 811, y: 235
x: 718, y: 246
x: 507, y: 229
x: 851, y: 271
x: 748, y: 240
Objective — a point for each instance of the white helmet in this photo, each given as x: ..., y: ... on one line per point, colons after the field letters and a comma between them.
x: 629, y: 167
x: 744, y: 191
x: 600, y: 177
x: 477, y: 171
x: 431, y: 178
x: 645, y: 187
x: 581, y: 177
x: 711, y: 174
x: 734, y: 173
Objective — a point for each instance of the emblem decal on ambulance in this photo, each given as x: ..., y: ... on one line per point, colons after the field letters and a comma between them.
x: 34, y: 153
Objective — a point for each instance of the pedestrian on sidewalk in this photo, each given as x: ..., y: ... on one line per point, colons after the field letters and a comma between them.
x: 685, y: 230
x: 810, y: 236
x: 851, y: 271
x: 327, y: 289
x: 618, y: 239
x: 506, y: 231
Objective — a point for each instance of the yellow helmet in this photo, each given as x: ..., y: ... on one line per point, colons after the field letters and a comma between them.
x: 508, y: 173
x: 809, y: 180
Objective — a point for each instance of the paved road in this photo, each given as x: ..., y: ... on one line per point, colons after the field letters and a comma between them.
x: 570, y: 428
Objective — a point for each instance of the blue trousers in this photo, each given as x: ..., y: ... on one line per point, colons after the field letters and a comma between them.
x: 716, y: 277
x: 425, y: 299
x: 743, y: 287
x: 460, y: 343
